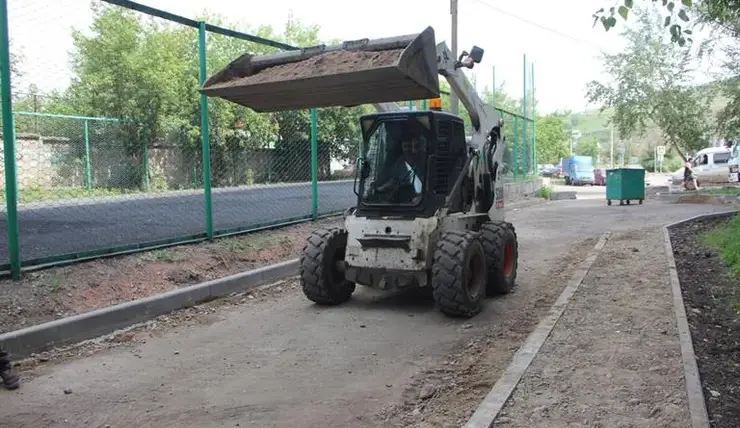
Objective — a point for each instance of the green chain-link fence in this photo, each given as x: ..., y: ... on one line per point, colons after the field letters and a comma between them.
x: 128, y: 155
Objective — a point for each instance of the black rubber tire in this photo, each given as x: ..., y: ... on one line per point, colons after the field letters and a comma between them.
x: 609, y: 202
x: 321, y: 281
x: 451, y: 274
x: 495, y: 235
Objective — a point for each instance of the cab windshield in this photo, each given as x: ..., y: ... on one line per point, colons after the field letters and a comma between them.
x: 394, y: 162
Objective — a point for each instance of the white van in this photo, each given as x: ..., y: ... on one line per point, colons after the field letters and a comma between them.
x: 710, y: 166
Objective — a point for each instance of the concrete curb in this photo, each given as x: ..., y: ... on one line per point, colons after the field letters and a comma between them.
x: 697, y: 405
x: 22, y: 343
x: 491, y: 406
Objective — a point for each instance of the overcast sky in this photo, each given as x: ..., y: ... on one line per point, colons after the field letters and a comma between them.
x: 560, y: 41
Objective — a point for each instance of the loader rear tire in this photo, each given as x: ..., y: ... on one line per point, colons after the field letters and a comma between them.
x: 459, y: 274
x: 502, y: 255
x: 322, y: 282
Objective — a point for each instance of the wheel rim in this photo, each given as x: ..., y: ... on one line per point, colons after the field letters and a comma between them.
x: 508, y: 259
x: 337, y: 276
x: 476, y: 267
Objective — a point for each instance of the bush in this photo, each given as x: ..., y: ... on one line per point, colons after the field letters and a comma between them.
x: 544, y: 192
x: 726, y: 239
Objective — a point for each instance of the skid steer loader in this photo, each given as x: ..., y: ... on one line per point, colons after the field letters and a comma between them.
x: 430, y: 203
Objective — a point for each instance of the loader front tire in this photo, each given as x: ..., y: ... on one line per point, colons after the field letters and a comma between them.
x: 459, y: 274
x: 321, y: 280
x: 502, y: 255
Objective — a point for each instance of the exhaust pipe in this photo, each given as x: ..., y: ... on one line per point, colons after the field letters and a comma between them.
x: 352, y: 73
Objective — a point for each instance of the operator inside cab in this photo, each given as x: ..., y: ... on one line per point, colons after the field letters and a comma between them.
x: 403, y: 172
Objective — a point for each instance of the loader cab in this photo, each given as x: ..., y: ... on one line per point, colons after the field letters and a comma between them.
x: 408, y: 163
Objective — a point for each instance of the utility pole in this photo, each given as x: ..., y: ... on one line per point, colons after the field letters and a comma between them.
x: 493, y: 91
x: 453, y: 12
x: 611, y: 149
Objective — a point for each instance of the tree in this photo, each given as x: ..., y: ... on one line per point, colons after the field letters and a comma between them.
x: 145, y: 71
x: 675, y: 13
x: 552, y: 139
x: 588, y: 146
x: 651, y: 84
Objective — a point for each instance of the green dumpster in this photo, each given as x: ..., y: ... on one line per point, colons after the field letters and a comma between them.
x: 625, y: 185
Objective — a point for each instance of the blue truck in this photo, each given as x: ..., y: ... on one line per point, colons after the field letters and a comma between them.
x: 578, y: 170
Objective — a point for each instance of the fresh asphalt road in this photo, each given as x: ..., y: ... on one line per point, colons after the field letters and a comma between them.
x: 284, y: 362
x: 68, y: 228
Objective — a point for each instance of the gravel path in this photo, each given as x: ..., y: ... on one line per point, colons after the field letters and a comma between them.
x: 613, y: 359
x: 389, y: 360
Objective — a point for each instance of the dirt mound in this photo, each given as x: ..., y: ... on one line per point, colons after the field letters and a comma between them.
x: 321, y: 65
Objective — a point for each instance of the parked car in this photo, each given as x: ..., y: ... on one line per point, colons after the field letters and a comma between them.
x: 548, y: 170
x: 600, y: 177
x: 710, y: 166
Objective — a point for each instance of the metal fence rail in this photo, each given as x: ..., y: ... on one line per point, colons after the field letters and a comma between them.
x: 132, y: 157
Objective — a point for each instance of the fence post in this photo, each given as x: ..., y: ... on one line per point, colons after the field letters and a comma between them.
x: 145, y: 148
x: 11, y: 178
x: 314, y: 164
x: 88, y: 168
x: 204, y: 132
x: 524, y: 119
x: 534, y: 118
x: 516, y: 146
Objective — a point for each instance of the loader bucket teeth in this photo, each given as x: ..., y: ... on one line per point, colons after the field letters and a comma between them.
x: 352, y: 73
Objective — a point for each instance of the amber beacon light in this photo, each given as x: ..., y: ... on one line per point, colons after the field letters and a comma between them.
x: 435, y: 104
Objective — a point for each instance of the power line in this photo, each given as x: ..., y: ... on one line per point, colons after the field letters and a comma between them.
x: 538, y: 25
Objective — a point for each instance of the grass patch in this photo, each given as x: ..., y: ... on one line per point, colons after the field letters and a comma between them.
x: 544, y: 192
x: 254, y: 242
x: 726, y: 190
x: 164, y: 255
x: 54, y: 284
x: 726, y: 238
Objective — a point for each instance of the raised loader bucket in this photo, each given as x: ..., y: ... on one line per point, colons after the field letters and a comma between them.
x: 352, y: 73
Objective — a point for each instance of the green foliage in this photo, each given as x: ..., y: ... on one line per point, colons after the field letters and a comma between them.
x: 652, y: 85
x: 673, y: 20
x: 588, y: 146
x: 552, y: 139
x: 726, y: 238
x: 146, y: 71
x: 544, y: 192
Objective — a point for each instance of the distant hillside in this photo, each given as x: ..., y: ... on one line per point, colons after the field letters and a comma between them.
x: 593, y: 123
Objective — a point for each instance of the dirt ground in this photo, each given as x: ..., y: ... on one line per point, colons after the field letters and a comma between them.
x: 381, y: 359
x: 613, y: 359
x: 709, y: 296
x: 446, y: 395
x: 59, y: 292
